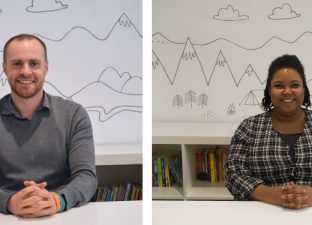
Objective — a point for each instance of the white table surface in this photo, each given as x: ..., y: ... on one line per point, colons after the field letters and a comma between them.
x: 226, y: 212
x: 96, y: 213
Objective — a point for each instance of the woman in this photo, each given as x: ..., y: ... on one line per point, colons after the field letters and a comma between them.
x: 271, y: 153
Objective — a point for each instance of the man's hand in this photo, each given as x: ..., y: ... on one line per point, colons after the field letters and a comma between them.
x: 41, y: 185
x: 296, y: 196
x: 32, y: 201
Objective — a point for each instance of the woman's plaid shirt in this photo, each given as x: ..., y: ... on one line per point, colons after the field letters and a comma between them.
x: 259, y: 156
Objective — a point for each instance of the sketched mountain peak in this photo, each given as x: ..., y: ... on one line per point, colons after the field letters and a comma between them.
x: 250, y: 75
x: 221, y: 70
x: 189, y: 61
x: 221, y: 61
x: 123, y: 24
x: 124, y: 20
x: 249, y: 71
x: 189, y: 52
x: 155, y: 60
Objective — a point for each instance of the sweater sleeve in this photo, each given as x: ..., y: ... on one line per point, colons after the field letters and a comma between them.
x: 238, y: 178
x: 4, y: 197
x: 81, y: 161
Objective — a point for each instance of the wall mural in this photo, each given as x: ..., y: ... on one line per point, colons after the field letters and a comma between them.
x: 218, y: 73
x: 95, y: 58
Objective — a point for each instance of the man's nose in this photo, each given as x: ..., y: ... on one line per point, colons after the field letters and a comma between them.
x: 26, y: 69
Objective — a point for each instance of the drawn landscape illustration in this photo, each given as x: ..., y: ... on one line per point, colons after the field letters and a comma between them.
x: 220, y: 80
x: 102, y: 72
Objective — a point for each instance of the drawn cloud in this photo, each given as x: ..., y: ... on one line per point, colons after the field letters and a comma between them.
x: 229, y: 14
x: 284, y: 12
x: 38, y: 6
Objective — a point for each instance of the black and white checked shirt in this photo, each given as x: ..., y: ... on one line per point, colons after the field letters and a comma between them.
x: 258, y: 155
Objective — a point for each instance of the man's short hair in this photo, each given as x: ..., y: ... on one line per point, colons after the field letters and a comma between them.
x: 21, y: 37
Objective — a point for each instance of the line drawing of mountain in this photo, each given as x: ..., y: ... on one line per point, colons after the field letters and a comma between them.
x: 170, y: 53
x: 249, y: 72
x: 202, y: 52
x: 122, y: 22
x: 188, y: 54
x: 252, y: 98
x: 41, y: 6
x: 221, y: 62
x: 156, y: 63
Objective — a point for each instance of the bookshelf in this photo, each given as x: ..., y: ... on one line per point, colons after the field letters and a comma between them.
x: 189, y: 138
x: 118, y: 163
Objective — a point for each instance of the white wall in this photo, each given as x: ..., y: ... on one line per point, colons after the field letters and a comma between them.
x: 95, y: 57
x: 210, y: 58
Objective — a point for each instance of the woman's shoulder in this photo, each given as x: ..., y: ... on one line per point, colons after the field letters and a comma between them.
x: 258, y: 118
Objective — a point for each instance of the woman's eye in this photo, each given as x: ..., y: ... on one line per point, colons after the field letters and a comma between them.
x: 278, y: 86
x: 295, y: 85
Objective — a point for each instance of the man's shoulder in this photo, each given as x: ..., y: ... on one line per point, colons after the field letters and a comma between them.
x: 58, y: 103
x: 57, y: 100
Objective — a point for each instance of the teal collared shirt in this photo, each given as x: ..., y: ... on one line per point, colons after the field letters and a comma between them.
x: 9, y: 108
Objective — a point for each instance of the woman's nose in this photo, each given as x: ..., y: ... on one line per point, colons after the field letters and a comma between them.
x: 287, y: 90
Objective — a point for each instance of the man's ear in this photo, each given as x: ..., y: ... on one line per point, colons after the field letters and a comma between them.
x: 46, y: 67
x: 4, y: 67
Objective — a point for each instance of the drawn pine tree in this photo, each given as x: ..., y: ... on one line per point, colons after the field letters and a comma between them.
x: 231, y: 109
x: 190, y: 97
x: 177, y: 101
x: 202, y: 100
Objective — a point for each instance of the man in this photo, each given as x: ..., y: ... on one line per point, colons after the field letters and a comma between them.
x: 47, y: 160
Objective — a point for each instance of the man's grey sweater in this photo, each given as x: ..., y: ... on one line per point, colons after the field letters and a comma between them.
x: 55, y: 146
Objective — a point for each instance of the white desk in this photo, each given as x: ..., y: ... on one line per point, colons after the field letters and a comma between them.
x: 226, y: 212
x: 97, y: 213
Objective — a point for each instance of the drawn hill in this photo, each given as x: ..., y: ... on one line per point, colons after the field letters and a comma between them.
x: 124, y: 83
x: 98, y: 96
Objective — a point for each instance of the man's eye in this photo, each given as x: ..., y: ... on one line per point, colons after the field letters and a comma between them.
x: 33, y: 64
x: 17, y: 64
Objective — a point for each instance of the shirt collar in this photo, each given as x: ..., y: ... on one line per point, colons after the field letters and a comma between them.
x: 8, y: 107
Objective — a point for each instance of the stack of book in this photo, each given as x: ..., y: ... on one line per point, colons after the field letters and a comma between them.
x: 167, y: 170
x: 210, y: 165
x: 122, y: 192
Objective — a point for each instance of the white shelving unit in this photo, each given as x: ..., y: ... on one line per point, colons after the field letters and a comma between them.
x: 121, y: 154
x: 188, y: 138
x: 118, y: 163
